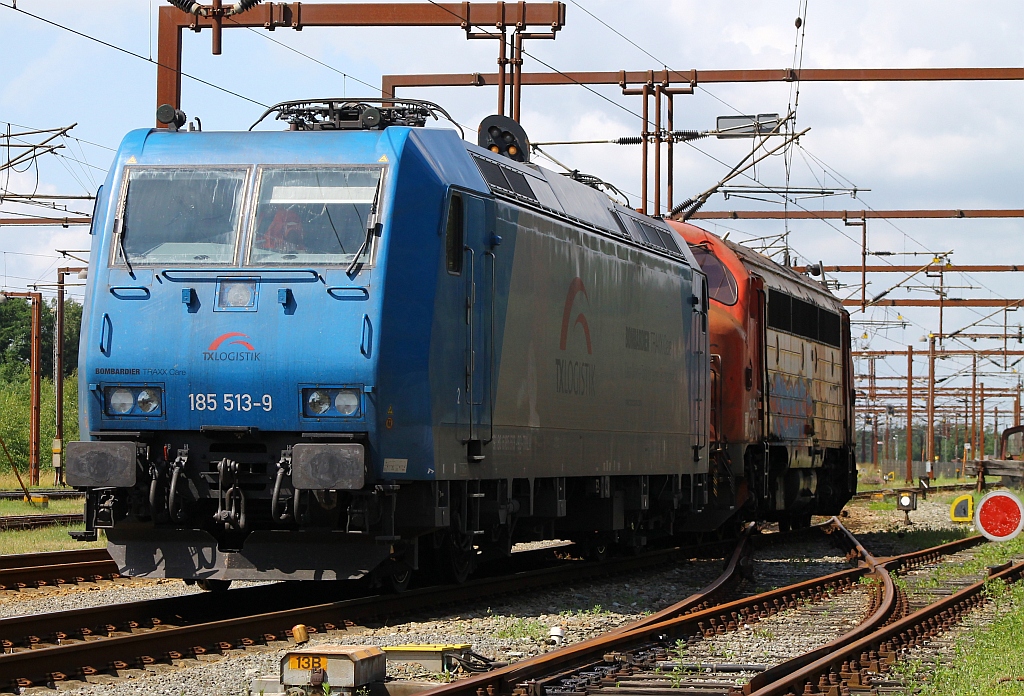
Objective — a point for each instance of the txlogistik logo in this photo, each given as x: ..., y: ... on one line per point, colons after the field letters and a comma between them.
x: 575, y: 377
x: 229, y: 354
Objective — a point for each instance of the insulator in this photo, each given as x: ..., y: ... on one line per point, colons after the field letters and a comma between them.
x: 243, y: 5
x: 687, y: 135
x: 693, y: 209
x: 682, y: 206
x: 633, y: 140
x: 187, y: 6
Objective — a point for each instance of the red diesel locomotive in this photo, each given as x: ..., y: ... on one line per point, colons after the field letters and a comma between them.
x: 782, y: 383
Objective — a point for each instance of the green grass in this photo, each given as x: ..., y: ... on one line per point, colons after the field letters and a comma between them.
x: 516, y: 628
x: 63, y: 506
x: 984, y: 658
x: 14, y: 424
x: 9, y: 482
x: 45, y: 539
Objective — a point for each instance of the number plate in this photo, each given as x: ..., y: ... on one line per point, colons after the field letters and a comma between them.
x: 307, y: 662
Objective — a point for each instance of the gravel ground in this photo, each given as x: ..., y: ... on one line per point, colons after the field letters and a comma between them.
x: 930, y: 514
x: 89, y: 594
x: 784, y: 564
x: 507, y: 629
x: 782, y: 636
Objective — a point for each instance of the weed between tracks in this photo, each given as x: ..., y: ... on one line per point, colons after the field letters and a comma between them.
x: 988, y: 660
x: 985, y: 555
x: 517, y: 628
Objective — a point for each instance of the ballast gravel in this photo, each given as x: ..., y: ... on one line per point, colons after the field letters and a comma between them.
x: 507, y: 629
x: 781, y: 637
x: 93, y: 594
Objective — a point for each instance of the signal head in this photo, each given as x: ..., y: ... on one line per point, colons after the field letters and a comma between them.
x: 173, y: 118
x: 504, y: 136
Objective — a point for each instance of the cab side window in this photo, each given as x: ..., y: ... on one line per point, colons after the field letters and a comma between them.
x: 453, y: 243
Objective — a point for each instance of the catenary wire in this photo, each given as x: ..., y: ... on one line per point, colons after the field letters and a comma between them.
x: 132, y: 53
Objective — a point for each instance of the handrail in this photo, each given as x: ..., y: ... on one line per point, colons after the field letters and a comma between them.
x: 211, y: 275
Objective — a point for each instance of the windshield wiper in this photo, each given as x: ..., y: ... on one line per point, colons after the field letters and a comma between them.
x: 118, y: 230
x: 371, y: 227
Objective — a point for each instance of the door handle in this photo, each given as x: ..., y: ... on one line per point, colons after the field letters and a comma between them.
x: 106, y: 334
x: 366, y: 347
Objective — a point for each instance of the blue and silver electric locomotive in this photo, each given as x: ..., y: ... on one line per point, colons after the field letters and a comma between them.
x: 360, y: 345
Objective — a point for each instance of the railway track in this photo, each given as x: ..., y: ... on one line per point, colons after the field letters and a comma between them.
x: 653, y: 657
x: 55, y: 568
x: 51, y: 648
x: 946, y: 488
x: 11, y: 522
x: 51, y: 493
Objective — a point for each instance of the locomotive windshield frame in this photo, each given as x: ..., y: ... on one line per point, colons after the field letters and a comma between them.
x: 124, y: 225
x: 373, y: 200
x: 244, y: 213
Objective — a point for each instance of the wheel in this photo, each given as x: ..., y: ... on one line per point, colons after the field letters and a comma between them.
x: 211, y: 585
x: 785, y: 524
x: 457, y: 562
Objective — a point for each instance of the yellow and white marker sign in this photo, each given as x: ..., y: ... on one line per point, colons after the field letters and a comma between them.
x: 962, y: 509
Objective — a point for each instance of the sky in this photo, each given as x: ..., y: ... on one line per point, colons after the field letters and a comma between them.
x: 902, y: 145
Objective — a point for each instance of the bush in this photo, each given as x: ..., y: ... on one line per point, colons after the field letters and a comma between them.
x: 15, y: 400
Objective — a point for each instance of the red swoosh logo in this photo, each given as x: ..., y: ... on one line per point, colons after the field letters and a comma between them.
x: 575, y: 287
x: 234, y: 334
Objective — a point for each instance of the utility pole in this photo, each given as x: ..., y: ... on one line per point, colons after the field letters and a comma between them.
x: 910, y: 414
x: 35, y: 367
x: 995, y: 433
x: 886, y: 456
x: 1016, y: 407
x: 874, y: 439
x: 981, y: 422
x: 58, y: 376
x: 967, y: 417
x: 974, y: 407
x: 930, y: 431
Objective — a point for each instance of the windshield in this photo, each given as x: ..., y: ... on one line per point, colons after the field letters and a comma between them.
x: 181, y: 215
x: 721, y: 283
x: 313, y: 215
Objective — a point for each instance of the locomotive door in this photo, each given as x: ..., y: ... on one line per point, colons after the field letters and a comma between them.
x: 479, y: 261
x: 699, y: 378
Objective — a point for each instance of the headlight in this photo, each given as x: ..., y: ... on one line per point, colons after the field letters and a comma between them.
x: 133, y: 401
x: 347, y: 402
x: 148, y: 400
x: 120, y: 401
x: 318, y: 402
x: 236, y: 295
x: 332, y: 402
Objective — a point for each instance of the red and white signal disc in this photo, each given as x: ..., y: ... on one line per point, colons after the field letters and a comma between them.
x: 1000, y: 516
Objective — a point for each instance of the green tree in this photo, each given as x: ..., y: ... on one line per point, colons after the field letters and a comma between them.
x: 16, y: 337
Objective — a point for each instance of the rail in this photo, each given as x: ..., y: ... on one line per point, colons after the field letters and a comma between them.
x: 12, y: 522
x: 18, y: 571
x: 106, y: 626
x: 852, y: 664
x: 532, y: 677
